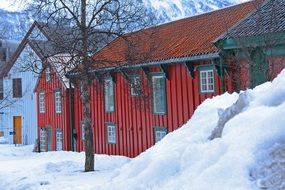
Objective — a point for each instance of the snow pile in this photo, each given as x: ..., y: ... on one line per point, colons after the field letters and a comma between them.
x: 227, y: 114
x: 186, y: 159
x: 270, y: 172
x: 21, y: 169
x: 3, y: 140
x: 249, y: 155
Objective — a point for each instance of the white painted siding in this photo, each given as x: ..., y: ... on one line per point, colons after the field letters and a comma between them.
x: 25, y: 106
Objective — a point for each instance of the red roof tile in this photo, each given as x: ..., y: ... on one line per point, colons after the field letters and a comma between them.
x: 183, y: 38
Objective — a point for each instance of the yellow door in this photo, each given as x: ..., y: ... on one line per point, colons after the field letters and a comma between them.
x: 17, y: 121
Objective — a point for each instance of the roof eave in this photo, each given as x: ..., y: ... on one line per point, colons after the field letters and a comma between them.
x: 207, y: 56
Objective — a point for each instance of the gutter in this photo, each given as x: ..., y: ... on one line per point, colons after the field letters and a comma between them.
x: 154, y: 63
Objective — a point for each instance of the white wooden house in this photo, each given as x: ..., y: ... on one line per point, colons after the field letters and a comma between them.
x: 18, y: 109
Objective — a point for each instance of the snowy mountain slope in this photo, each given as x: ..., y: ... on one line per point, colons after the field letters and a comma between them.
x: 168, y: 10
x: 249, y: 156
x: 15, y: 24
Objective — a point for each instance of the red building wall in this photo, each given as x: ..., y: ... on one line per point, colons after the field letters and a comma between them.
x: 135, y: 123
x: 276, y: 65
x: 50, y: 117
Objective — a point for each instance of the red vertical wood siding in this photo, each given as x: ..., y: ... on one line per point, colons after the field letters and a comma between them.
x: 276, y: 65
x: 50, y: 117
x: 135, y: 122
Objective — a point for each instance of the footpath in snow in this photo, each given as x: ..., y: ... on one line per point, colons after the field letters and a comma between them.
x: 250, y: 155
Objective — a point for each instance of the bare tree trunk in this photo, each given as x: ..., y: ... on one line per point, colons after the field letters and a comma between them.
x: 89, y: 144
x: 88, y: 135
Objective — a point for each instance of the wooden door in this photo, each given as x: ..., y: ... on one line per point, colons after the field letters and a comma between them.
x: 17, y: 126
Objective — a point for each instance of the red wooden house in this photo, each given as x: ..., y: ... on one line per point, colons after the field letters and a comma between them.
x: 54, y: 96
x: 52, y: 88
x: 180, y: 64
x: 254, y: 49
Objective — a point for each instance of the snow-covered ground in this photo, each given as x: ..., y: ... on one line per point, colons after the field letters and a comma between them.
x: 249, y: 155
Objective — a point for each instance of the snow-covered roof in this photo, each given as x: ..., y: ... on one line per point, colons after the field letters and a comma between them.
x: 61, y: 64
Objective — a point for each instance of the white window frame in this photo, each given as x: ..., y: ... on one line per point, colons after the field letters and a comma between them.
x: 207, y: 81
x: 59, y: 139
x: 109, y: 96
x: 135, y: 85
x: 82, y: 131
x: 111, y: 133
x: 154, y: 91
x: 80, y: 87
x: 42, y: 101
x: 58, y: 101
x: 159, y: 133
x: 48, y: 74
x: 43, y: 140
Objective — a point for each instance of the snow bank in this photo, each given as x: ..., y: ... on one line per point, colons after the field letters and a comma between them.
x: 3, y: 140
x: 21, y: 169
x: 248, y: 156
x: 185, y: 159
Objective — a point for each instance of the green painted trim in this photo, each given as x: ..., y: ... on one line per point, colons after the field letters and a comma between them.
x: 165, y: 97
x: 252, y: 41
x: 276, y: 51
x: 258, y: 67
x: 190, y: 68
x: 221, y: 69
x: 107, y: 124
x: 205, y: 67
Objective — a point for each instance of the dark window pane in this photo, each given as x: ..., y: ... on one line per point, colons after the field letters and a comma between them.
x: 17, y: 88
x: 159, y: 96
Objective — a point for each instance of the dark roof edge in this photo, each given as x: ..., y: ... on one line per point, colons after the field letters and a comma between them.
x: 154, y: 63
x: 9, y: 64
x: 239, y: 22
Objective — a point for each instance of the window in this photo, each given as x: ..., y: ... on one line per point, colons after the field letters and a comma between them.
x: 1, y: 89
x: 42, y: 102
x: 159, y: 96
x: 58, y: 101
x: 207, y: 81
x: 135, y: 86
x: 111, y: 133
x: 43, y: 140
x: 159, y: 133
x: 82, y: 131
x: 17, y: 87
x: 109, y: 95
x: 59, y: 139
x: 81, y: 87
x: 48, y: 77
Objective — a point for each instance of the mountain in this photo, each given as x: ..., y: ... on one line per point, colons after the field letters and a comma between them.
x: 168, y: 10
x: 15, y: 24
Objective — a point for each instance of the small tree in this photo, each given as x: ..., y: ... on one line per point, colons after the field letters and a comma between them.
x: 83, y: 27
x: 254, y: 39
